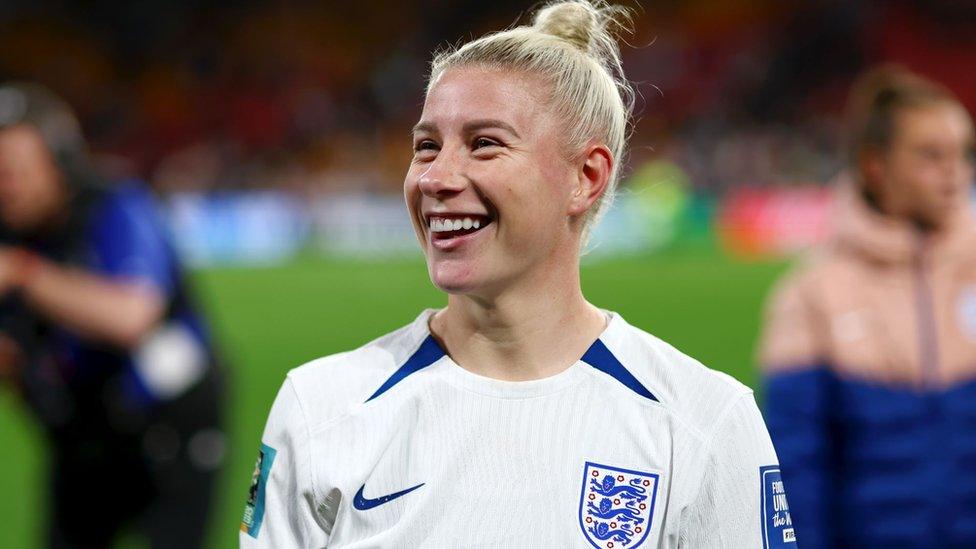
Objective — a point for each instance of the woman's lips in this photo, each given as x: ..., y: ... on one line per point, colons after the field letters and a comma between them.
x: 448, y: 231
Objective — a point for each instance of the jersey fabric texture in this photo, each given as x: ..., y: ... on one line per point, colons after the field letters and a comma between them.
x: 396, y: 445
x: 870, y: 383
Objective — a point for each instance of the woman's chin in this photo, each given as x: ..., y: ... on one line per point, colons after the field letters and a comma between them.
x: 454, y: 285
x: 454, y: 277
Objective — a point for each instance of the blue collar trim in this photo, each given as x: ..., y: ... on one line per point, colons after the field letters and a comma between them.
x: 602, y: 359
x: 428, y: 353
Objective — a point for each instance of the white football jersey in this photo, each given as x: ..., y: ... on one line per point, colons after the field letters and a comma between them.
x: 395, y: 445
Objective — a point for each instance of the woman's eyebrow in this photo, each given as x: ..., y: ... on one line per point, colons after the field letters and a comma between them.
x: 424, y: 127
x: 475, y: 125
x: 468, y: 127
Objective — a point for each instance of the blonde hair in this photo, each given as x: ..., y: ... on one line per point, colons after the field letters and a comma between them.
x: 571, y: 44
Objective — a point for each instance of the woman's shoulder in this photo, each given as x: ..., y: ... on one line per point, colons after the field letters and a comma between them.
x: 328, y: 385
x: 691, y: 391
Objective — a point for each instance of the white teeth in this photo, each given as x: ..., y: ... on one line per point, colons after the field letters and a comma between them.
x: 438, y: 225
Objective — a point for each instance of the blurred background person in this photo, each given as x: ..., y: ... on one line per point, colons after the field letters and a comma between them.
x: 870, y: 344
x: 102, y: 338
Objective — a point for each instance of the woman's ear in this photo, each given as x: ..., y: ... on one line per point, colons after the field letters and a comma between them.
x: 592, y: 178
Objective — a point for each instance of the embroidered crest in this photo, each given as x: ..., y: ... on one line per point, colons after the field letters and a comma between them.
x: 616, y: 506
x: 777, y: 525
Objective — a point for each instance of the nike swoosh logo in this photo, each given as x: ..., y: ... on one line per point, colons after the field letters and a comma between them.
x: 362, y: 503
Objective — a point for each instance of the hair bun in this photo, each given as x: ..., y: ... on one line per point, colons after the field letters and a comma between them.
x: 575, y: 22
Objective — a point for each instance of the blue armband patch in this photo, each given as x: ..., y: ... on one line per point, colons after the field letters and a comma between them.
x: 254, y: 510
x: 777, y: 525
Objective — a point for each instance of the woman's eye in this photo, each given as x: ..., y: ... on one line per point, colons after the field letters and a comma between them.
x: 931, y: 154
x: 485, y: 142
x: 425, y: 145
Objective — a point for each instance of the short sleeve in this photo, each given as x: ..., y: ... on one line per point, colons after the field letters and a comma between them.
x: 129, y: 241
x: 741, y: 501
x: 281, y: 503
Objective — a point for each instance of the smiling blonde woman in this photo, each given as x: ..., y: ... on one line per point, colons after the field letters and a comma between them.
x: 520, y: 415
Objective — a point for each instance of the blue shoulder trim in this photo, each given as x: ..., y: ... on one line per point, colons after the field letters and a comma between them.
x: 602, y: 359
x: 428, y: 353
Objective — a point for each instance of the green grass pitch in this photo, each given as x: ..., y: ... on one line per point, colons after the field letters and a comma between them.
x: 269, y: 320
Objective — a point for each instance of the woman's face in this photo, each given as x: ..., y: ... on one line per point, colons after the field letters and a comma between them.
x: 927, y: 171
x: 30, y: 183
x: 490, y: 185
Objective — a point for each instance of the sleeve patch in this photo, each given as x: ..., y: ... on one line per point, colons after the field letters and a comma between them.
x: 254, y: 509
x: 777, y: 525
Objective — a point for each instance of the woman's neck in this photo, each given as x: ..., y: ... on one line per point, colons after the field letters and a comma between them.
x: 523, y: 334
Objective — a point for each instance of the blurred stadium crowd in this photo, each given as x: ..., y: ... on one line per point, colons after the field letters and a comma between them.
x: 316, y: 97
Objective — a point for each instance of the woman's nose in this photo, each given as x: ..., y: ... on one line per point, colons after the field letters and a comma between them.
x: 444, y: 176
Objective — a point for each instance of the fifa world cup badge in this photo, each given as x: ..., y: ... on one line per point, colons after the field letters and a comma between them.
x: 777, y: 525
x: 254, y: 509
x: 616, y: 506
